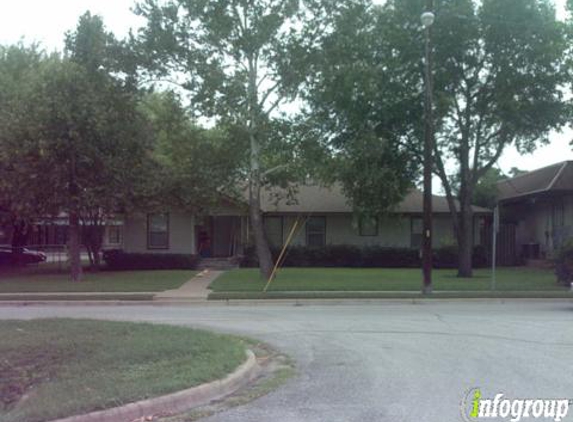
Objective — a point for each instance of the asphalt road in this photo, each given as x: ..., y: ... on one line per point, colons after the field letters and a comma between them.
x: 383, y: 361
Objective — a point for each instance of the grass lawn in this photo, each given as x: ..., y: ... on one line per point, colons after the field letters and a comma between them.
x: 384, y: 279
x: 55, y: 368
x: 50, y: 279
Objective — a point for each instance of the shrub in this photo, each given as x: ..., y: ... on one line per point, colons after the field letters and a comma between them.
x: 445, y: 257
x: 118, y: 260
x: 366, y: 257
x: 328, y: 256
x: 564, y: 264
x: 384, y: 257
x: 480, y: 257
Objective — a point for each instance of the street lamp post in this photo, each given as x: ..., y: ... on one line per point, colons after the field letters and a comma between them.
x: 427, y: 21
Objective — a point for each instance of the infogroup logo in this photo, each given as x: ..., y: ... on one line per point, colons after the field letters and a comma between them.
x: 475, y: 407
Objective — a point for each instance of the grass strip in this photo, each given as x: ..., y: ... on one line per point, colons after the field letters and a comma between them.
x: 385, y: 279
x: 51, y: 279
x: 55, y: 368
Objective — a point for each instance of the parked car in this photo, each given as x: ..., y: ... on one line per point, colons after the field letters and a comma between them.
x: 25, y: 256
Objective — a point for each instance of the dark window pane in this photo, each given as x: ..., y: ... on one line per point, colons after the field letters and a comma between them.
x: 316, y: 240
x: 417, y: 226
x: 158, y: 222
x: 114, y: 235
x: 158, y: 239
x: 316, y: 224
x: 416, y: 241
x: 368, y: 226
x: 274, y: 230
x: 316, y: 231
x: 158, y: 231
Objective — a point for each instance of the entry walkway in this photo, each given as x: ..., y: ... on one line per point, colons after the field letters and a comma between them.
x: 195, y: 290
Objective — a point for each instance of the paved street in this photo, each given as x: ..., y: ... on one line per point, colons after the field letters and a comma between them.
x: 384, y: 361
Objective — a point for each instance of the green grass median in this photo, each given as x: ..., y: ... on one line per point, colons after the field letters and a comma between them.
x: 50, y: 279
x: 384, y: 282
x: 56, y: 368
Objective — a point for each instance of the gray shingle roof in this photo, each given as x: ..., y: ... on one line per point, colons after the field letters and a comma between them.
x: 556, y: 177
x: 320, y: 199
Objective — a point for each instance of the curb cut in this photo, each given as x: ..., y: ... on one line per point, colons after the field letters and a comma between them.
x: 176, y: 402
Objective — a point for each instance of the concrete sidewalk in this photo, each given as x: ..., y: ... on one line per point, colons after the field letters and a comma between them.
x: 195, y: 290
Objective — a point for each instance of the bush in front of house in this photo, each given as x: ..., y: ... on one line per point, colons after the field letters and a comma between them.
x: 564, y: 264
x: 447, y: 257
x: 328, y: 256
x: 384, y: 257
x: 118, y: 260
x: 366, y: 257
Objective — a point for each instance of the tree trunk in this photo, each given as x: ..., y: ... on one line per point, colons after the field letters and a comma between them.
x: 90, y: 255
x: 97, y: 259
x: 75, y: 243
x: 466, y: 231
x: 254, y: 121
x: 93, y: 239
x: 20, y: 233
x: 261, y: 243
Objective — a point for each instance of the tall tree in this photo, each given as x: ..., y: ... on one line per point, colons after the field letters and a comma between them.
x: 194, y: 165
x: 74, y: 137
x: 497, y: 84
x: 22, y: 196
x: 101, y: 59
x: 86, y: 141
x: 359, y: 104
x: 240, y: 61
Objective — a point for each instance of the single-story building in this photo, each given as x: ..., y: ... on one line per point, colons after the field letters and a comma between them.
x: 539, y: 207
x: 325, y: 218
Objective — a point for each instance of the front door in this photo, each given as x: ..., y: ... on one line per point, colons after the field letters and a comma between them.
x: 224, y: 232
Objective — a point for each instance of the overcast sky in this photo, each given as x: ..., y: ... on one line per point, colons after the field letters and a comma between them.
x: 46, y: 21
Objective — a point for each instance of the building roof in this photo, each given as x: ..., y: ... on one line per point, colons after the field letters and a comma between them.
x: 321, y: 199
x: 556, y: 177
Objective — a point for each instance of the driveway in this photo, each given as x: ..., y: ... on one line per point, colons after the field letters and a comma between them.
x: 386, y: 361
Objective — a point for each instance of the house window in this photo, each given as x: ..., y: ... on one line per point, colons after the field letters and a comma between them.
x: 114, y: 235
x: 157, y: 231
x: 416, y: 230
x: 316, y: 231
x: 368, y: 226
x: 274, y: 230
x: 557, y: 214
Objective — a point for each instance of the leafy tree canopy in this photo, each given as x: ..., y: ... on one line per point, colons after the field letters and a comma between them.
x: 499, y: 72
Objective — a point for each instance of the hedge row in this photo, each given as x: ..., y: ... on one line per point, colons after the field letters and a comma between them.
x: 371, y: 256
x: 119, y: 260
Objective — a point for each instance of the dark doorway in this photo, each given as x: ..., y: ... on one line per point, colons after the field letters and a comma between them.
x: 225, y: 230
x: 217, y: 236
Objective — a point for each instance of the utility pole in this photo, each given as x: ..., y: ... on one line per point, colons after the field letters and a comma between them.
x: 427, y: 21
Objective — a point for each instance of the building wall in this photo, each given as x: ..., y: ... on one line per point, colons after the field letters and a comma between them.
x: 537, y: 223
x: 393, y: 231
x: 181, y: 234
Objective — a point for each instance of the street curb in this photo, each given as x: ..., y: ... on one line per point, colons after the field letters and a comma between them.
x: 379, y: 301
x: 270, y: 302
x: 176, y: 402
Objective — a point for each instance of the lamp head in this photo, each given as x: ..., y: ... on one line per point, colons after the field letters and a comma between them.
x: 427, y: 19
